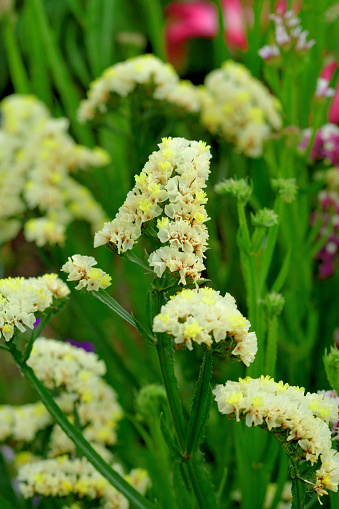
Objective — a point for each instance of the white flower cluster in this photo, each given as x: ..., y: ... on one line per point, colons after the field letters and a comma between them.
x: 239, y: 108
x: 21, y: 298
x: 22, y: 423
x: 80, y: 268
x: 61, y: 365
x: 62, y: 477
x: 204, y: 316
x: 120, y: 80
x: 171, y: 186
x: 77, y: 375
x: 279, y: 406
x: 288, y: 35
x: 37, y: 158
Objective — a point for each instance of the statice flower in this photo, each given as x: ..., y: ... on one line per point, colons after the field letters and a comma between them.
x: 303, y: 419
x: 169, y: 189
x: 239, y: 108
x: 21, y: 299
x: 80, y: 268
x: 203, y: 316
x: 37, y: 161
x: 159, y: 79
x: 62, y: 477
x: 76, y: 377
x: 335, y: 422
x: 289, y: 36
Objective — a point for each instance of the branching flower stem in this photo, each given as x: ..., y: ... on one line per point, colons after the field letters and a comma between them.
x: 201, y: 484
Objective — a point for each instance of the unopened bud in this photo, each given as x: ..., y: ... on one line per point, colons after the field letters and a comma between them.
x: 240, y: 189
x: 265, y: 218
x: 286, y: 188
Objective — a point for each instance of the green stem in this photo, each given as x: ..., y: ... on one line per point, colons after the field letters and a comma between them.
x: 202, y: 486
x: 201, y: 403
x: 16, y: 66
x: 166, y: 360
x: 297, y: 488
x: 74, y: 434
x: 271, y: 347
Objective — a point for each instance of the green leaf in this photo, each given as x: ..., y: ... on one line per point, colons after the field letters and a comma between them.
x: 201, y: 404
x: 135, y: 259
x: 115, y: 306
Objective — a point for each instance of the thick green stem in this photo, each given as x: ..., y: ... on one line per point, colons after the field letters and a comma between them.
x: 201, y: 404
x: 166, y: 360
x: 74, y: 434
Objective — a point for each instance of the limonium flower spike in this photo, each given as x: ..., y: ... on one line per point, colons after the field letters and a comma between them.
x: 239, y: 108
x: 62, y: 476
x: 80, y: 268
x: 21, y: 299
x: 170, y: 188
x: 120, y: 80
x: 203, y: 316
x: 280, y: 408
x: 37, y: 160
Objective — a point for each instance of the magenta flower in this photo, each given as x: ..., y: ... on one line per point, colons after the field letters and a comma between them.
x: 327, y: 73
x: 199, y: 18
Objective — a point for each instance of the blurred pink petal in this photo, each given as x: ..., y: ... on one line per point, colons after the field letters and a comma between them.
x: 199, y: 18
x: 185, y: 21
x: 327, y: 73
x: 234, y: 23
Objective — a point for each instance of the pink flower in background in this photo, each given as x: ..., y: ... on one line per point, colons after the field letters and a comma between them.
x: 199, y: 18
x: 327, y: 74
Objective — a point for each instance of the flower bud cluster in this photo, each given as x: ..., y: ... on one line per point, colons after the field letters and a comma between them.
x: 37, y: 159
x: 239, y: 108
x: 169, y: 188
x: 62, y: 477
x: 80, y: 268
x: 203, y: 316
x: 21, y: 299
x: 279, y: 407
x: 239, y: 188
x: 289, y: 36
x: 158, y: 78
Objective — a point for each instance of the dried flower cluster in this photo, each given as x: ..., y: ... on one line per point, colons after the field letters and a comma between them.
x: 159, y: 80
x: 81, y: 268
x: 289, y: 35
x: 239, y: 108
x: 21, y: 299
x: 37, y: 158
x: 279, y: 407
x: 62, y: 477
x: 203, y: 316
x: 169, y: 188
